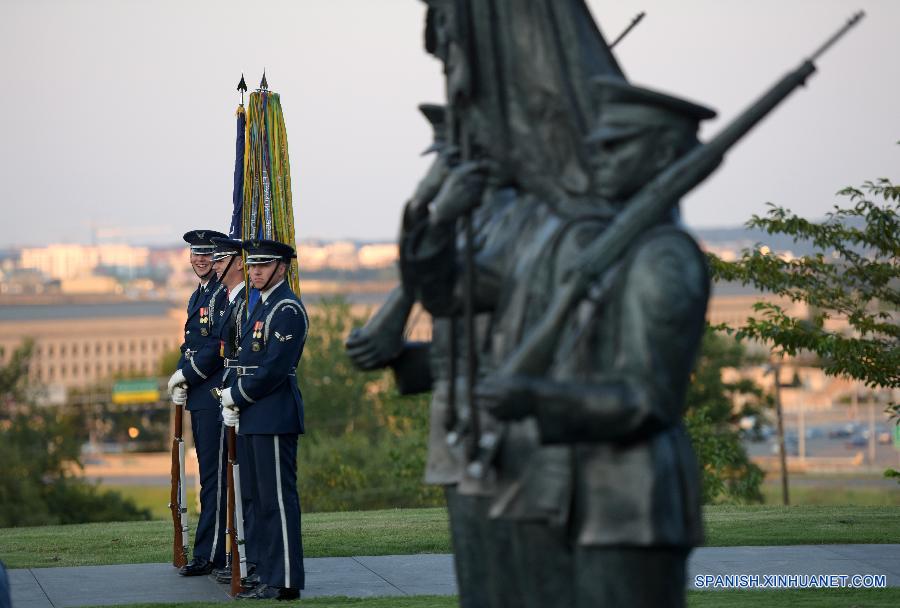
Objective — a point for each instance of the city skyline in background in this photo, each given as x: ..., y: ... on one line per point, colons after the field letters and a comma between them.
x: 123, y: 112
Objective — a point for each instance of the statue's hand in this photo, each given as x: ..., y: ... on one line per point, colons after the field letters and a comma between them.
x: 505, y: 398
x: 370, y: 349
x: 460, y: 192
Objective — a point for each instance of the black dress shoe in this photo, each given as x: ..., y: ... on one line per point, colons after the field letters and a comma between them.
x: 197, y: 567
x: 265, y: 592
x: 222, y: 575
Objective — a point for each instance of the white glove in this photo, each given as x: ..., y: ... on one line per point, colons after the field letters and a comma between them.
x: 179, y: 395
x: 230, y: 416
x: 227, y: 399
x: 176, y: 379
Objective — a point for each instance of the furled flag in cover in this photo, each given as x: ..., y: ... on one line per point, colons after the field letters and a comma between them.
x: 237, y: 193
x: 267, y: 209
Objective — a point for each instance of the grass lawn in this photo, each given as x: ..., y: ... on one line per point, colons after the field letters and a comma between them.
x: 418, y: 601
x: 155, y: 498
x: 410, y: 531
x: 729, y: 526
x: 324, y: 535
x: 796, y: 598
x: 813, y: 495
x: 802, y: 598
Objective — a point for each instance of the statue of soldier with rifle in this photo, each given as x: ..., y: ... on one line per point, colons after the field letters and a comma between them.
x: 603, y: 374
x: 580, y: 357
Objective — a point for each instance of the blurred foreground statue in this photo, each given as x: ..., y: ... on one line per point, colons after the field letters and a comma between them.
x: 612, y: 398
x: 568, y: 308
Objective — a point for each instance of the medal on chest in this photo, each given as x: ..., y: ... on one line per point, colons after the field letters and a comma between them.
x: 257, y: 334
x: 204, y: 321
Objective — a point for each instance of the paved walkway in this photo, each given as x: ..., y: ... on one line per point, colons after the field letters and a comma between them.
x: 407, y: 575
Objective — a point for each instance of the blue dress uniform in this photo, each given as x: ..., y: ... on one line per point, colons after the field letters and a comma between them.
x: 265, y: 390
x: 201, y: 365
x: 227, y: 332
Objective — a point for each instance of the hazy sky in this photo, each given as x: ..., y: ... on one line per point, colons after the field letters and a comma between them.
x: 120, y: 113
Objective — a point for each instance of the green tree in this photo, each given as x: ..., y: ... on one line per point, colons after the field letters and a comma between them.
x: 853, y: 274
x: 364, y: 446
x: 40, y: 453
x: 727, y: 473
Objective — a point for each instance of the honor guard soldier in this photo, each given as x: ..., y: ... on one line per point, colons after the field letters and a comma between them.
x: 229, y: 266
x: 199, y: 371
x: 263, y: 401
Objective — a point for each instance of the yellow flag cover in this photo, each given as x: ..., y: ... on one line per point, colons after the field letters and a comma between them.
x: 268, y: 210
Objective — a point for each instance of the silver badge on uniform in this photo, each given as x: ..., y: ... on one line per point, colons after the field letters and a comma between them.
x: 255, y: 347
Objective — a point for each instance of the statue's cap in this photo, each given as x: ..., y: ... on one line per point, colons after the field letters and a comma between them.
x: 625, y: 109
x: 436, y: 114
x: 263, y: 251
x: 201, y: 240
x: 225, y: 247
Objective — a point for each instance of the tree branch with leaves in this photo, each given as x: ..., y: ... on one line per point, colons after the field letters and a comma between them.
x: 853, y: 275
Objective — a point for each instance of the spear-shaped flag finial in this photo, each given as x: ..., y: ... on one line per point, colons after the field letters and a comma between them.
x: 263, y: 85
x: 630, y: 27
x: 242, y: 87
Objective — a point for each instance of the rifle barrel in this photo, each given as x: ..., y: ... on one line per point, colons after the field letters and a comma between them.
x: 852, y: 21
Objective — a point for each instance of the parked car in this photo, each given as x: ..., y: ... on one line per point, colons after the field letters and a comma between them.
x: 855, y: 442
x: 842, y: 432
x: 791, y: 446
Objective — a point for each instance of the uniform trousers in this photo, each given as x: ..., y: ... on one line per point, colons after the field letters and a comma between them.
x: 209, y: 441
x: 249, y: 547
x: 272, y: 479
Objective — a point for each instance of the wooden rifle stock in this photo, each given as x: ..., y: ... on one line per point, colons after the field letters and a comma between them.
x: 179, y: 554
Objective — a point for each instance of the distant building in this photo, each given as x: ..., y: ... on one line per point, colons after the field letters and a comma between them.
x: 732, y: 303
x: 378, y: 255
x: 72, y: 261
x: 311, y: 257
x: 26, y: 281
x: 90, y: 284
x: 341, y: 255
x: 79, y: 344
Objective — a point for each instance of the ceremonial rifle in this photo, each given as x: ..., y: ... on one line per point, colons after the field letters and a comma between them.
x: 644, y: 210
x: 177, y: 495
x: 237, y: 561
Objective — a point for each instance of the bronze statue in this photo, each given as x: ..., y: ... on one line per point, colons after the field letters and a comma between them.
x: 567, y: 306
x: 613, y: 396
